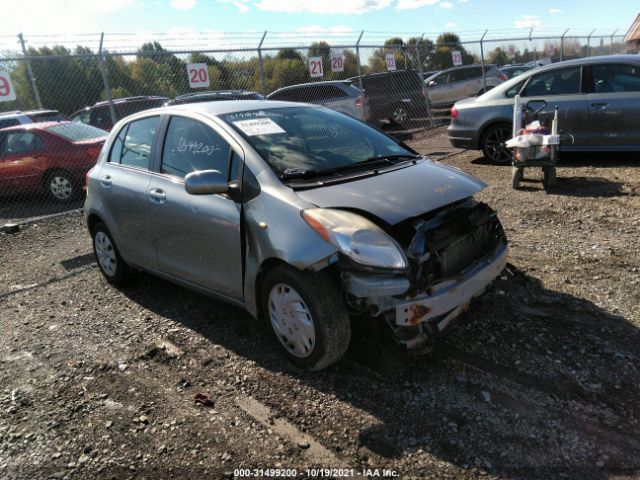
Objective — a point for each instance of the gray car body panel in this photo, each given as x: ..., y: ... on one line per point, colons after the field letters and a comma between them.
x: 399, y: 194
x: 577, y: 114
x: 269, y: 227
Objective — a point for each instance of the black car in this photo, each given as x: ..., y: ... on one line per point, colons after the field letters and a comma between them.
x: 214, y: 96
x: 397, y: 96
x: 99, y: 115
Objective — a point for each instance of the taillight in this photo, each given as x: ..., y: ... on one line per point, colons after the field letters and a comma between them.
x: 361, y: 101
x: 86, y: 177
x: 454, y: 113
x: 502, y: 76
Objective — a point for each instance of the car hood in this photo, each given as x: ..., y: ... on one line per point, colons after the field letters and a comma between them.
x: 400, y: 194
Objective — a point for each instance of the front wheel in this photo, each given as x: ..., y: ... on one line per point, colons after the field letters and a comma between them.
x: 308, y: 316
x: 493, y: 144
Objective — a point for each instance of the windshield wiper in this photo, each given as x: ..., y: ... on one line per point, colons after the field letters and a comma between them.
x: 292, y: 173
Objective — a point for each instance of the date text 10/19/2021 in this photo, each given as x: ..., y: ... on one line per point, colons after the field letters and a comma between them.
x: 315, y: 473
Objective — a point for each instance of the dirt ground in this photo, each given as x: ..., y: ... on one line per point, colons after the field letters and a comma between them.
x: 540, y: 379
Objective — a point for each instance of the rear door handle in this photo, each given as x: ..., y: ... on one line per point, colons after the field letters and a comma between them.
x: 599, y: 106
x: 157, y: 196
x: 106, y: 181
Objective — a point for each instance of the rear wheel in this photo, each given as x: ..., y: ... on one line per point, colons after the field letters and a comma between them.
x: 61, y: 186
x: 111, y: 264
x: 307, y: 315
x: 399, y: 115
x: 493, y: 144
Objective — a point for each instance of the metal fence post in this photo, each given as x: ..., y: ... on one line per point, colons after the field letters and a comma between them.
x: 358, y: 59
x: 32, y: 78
x: 611, y: 41
x: 263, y: 82
x: 589, y: 42
x: 105, y: 81
x: 424, y: 87
x: 562, y: 44
x: 484, y: 75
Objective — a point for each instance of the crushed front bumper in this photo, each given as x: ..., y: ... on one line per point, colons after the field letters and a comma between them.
x: 449, y: 298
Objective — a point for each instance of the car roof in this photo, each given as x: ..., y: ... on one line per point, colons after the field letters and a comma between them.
x: 312, y: 84
x: 17, y: 113
x: 218, y: 108
x: 35, y: 126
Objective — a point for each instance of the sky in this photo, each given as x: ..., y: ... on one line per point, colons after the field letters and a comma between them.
x: 312, y: 17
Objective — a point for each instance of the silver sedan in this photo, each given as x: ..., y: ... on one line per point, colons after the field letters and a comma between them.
x: 598, y: 100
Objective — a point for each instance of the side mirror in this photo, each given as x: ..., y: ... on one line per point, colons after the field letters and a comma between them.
x: 432, y: 83
x: 206, y: 182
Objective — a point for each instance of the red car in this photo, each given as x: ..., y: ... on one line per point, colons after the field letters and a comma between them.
x: 52, y: 157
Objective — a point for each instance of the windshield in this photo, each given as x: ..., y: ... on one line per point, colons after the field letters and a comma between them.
x: 77, y: 132
x: 311, y: 139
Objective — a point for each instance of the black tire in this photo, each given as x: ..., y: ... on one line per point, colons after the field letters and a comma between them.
x: 549, y: 177
x: 327, y: 313
x: 120, y: 272
x: 61, y: 186
x: 492, y: 144
x: 516, y: 177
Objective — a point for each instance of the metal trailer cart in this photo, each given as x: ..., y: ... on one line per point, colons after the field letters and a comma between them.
x: 534, y: 147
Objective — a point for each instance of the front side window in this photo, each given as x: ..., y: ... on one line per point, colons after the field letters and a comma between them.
x: 616, y: 78
x: 192, y: 146
x: 565, y: 81
x: 309, y: 138
x: 21, y: 142
x: 133, y: 144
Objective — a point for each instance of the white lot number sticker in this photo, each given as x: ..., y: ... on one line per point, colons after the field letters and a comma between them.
x: 198, y: 75
x: 512, y: 51
x: 315, y: 67
x: 337, y: 62
x: 259, y: 126
x: 456, y: 56
x: 551, y: 49
x: 391, y: 61
x: 7, y: 93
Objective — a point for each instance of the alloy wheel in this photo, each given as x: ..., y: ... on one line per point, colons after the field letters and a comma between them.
x: 60, y: 187
x: 105, y: 253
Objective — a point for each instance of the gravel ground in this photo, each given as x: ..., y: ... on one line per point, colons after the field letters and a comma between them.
x: 540, y: 378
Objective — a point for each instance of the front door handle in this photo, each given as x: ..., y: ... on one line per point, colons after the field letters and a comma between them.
x: 157, y: 196
x: 599, y: 106
x: 106, y: 181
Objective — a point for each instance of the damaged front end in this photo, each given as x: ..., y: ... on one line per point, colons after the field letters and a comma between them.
x: 454, y: 254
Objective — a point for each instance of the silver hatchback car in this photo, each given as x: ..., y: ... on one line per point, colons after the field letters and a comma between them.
x: 297, y: 213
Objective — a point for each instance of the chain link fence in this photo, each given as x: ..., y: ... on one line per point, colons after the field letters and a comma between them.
x: 400, y: 83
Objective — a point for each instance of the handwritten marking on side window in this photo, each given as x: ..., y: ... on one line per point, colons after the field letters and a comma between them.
x: 195, y: 148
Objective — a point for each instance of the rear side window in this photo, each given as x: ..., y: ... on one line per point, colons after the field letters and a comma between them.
x: 21, y: 142
x: 616, y: 78
x: 9, y: 123
x: 77, y: 132
x: 192, y: 146
x: 133, y: 144
x: 324, y: 92
x: 288, y: 95
x: 565, y: 81
x: 100, y: 116
x: 513, y: 91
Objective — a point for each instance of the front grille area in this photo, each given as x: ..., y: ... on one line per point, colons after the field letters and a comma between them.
x: 445, y: 245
